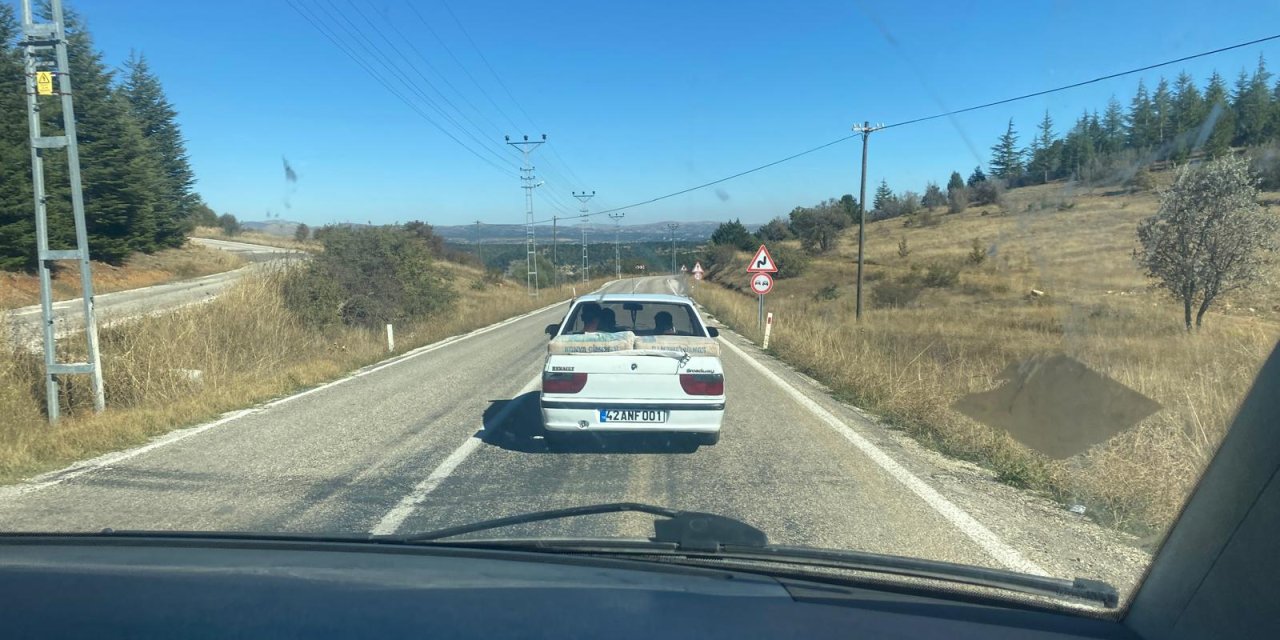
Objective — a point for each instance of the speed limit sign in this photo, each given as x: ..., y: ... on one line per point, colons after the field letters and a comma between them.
x: 761, y: 283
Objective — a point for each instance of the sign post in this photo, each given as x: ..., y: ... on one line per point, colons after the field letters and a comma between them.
x: 761, y: 265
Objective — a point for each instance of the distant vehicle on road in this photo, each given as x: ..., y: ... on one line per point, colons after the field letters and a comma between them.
x: 642, y: 363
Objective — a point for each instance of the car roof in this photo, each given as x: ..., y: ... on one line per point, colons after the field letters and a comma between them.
x: 634, y: 297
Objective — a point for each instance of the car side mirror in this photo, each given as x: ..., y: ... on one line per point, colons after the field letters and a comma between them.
x: 552, y: 329
x: 713, y: 332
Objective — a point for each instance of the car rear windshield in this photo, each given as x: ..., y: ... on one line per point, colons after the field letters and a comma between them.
x: 643, y: 318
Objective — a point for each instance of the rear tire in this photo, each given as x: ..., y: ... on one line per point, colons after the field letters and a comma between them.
x: 708, y: 439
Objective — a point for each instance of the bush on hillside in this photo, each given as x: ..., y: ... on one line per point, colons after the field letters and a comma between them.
x: 368, y: 276
x: 791, y: 262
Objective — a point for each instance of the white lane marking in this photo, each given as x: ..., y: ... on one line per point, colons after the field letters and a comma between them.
x: 52, y: 478
x: 403, y: 509
x: 976, y: 531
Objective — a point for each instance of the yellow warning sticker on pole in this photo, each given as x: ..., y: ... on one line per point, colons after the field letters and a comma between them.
x: 44, y: 83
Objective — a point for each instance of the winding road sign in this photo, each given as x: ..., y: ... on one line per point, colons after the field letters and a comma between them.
x: 762, y: 262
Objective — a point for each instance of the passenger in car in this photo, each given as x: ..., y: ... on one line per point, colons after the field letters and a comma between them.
x: 590, y: 315
x: 663, y: 325
x: 608, y: 320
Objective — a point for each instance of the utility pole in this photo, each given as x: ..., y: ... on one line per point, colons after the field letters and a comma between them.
x: 583, y: 198
x: 526, y: 147
x: 555, y: 263
x: 673, y: 226
x: 865, y: 129
x: 617, y: 256
x: 38, y: 39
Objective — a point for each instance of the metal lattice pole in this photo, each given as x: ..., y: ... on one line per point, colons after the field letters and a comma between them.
x: 673, y: 226
x: 583, y: 198
x: 527, y: 183
x: 38, y: 38
x: 617, y: 255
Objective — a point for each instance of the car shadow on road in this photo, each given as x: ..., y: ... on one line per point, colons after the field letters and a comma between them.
x: 516, y: 425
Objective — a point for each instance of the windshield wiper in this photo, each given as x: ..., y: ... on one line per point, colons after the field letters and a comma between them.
x: 697, y: 535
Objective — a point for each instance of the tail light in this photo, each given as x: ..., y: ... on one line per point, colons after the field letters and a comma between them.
x: 563, y: 382
x: 702, y: 384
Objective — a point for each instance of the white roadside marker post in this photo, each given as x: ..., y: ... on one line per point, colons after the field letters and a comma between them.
x: 768, y: 327
x: 391, y: 338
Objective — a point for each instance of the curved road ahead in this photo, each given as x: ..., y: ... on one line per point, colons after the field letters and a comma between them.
x: 449, y: 434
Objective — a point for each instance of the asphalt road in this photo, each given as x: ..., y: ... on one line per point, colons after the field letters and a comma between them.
x: 451, y: 435
x: 119, y: 306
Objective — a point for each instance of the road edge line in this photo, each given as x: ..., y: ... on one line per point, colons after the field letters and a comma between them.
x: 77, y: 469
x: 959, y: 518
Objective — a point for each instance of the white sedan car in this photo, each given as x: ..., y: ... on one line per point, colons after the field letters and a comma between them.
x: 635, y: 363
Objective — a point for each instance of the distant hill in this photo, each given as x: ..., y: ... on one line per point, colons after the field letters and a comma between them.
x: 569, y: 229
x: 699, y: 231
x: 283, y: 228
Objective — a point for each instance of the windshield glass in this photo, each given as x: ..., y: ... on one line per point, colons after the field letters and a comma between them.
x: 984, y: 284
x: 642, y: 318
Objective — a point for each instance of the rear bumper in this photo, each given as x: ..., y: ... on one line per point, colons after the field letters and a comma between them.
x: 685, y: 417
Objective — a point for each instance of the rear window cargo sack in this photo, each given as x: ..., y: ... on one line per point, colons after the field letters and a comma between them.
x: 691, y: 345
x: 597, y: 342
x: 603, y: 342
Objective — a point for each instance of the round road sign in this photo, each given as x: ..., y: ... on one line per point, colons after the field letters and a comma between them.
x: 761, y: 283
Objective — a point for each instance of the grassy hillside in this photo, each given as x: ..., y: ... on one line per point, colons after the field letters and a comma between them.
x: 942, y: 322
x: 140, y: 270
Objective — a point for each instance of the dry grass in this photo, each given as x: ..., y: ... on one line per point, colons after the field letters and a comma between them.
x: 246, y: 345
x: 255, y: 237
x: 912, y: 363
x: 141, y: 270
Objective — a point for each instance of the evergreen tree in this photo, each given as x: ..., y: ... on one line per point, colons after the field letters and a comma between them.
x: 1041, y: 158
x: 1218, y: 139
x: 1253, y: 107
x: 17, y: 221
x: 1141, y: 118
x: 119, y: 177
x: 956, y: 182
x: 1162, y: 113
x: 1006, y: 158
x: 885, y: 200
x: 1113, y: 131
x: 158, y: 120
x: 976, y: 177
x: 1188, y: 115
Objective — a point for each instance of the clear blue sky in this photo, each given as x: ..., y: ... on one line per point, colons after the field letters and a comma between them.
x: 638, y: 98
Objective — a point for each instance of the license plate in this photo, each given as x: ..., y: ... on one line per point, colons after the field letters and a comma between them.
x: 633, y: 415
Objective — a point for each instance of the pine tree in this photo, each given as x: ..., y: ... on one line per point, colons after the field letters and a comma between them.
x: 17, y: 222
x: 976, y: 177
x: 1239, y: 96
x: 1188, y: 115
x: 1006, y: 158
x: 158, y: 121
x: 884, y: 199
x: 1141, y: 117
x: 120, y: 179
x: 956, y: 182
x: 1253, y: 107
x: 1042, y: 160
x: 1162, y: 112
x: 1113, y: 131
x: 1217, y: 111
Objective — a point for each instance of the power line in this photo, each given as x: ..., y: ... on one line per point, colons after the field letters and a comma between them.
x: 325, y: 31
x: 1083, y: 83
x: 935, y: 117
x: 388, y: 59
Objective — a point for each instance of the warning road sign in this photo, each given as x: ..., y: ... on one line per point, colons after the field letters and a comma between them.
x: 762, y: 283
x: 762, y: 262
x: 44, y: 83
x: 697, y: 268
x: 684, y: 269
